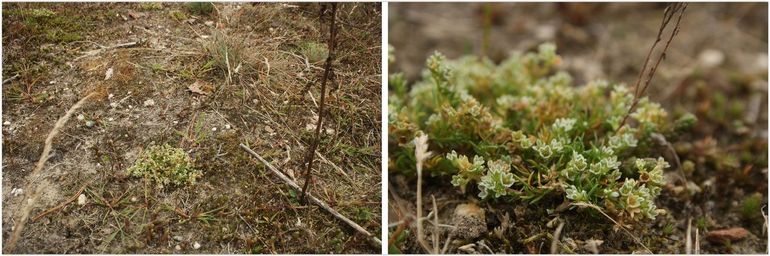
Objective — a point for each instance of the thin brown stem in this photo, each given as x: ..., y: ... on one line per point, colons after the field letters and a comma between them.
x: 639, y: 88
x: 309, y: 157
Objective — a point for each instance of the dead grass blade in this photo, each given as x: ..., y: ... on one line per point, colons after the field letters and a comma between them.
x: 636, y: 239
x: 31, y: 199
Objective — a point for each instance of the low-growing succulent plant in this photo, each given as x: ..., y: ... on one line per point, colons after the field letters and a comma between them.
x: 165, y: 165
x: 520, y: 131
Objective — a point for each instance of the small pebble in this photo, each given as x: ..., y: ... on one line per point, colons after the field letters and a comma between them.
x: 710, y: 58
x: 17, y: 191
x: 7, y: 123
x: 81, y: 117
x: 82, y: 199
x: 470, y: 221
x: 227, y: 126
x: 108, y: 74
x: 196, y: 246
x: 149, y: 103
x: 110, y: 119
x: 724, y: 236
x: 90, y: 123
x: 209, y: 23
x: 110, y: 96
x: 178, y: 238
x: 134, y: 199
x: 214, y: 129
x: 178, y: 248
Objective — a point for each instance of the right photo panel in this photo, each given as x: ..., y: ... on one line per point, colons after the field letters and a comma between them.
x: 581, y: 128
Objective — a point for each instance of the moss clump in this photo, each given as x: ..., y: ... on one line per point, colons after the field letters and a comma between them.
x: 520, y: 131
x: 165, y: 165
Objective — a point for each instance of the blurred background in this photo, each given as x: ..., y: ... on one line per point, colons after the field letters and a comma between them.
x: 715, y: 68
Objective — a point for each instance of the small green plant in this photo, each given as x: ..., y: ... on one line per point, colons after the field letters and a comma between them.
x: 751, y: 206
x: 225, y: 52
x: 520, y: 131
x: 200, y: 8
x: 177, y: 15
x: 165, y: 165
x: 151, y: 6
x: 314, y: 52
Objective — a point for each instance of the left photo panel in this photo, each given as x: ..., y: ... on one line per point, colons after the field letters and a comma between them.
x: 209, y: 128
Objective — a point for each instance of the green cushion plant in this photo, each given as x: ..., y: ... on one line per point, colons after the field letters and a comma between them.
x: 518, y: 130
x: 165, y: 165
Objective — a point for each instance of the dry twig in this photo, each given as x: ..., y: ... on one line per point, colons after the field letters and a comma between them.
x: 31, y: 199
x: 313, y: 199
x: 65, y: 203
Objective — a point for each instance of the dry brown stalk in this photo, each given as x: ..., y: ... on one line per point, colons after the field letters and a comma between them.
x: 668, y: 15
x: 327, y: 72
x: 31, y: 199
x: 65, y: 203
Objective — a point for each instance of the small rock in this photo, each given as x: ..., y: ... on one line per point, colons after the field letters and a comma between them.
x: 149, y: 103
x: 592, y: 245
x: 214, y: 129
x: 196, y: 246
x: 109, y: 97
x: 710, y: 58
x: 81, y: 117
x: 178, y: 248
x: 726, y: 235
x: 17, y: 191
x: 7, y: 123
x: 545, y: 32
x: 134, y: 199
x: 209, y: 23
x: 110, y: 119
x: 227, y: 126
x: 90, y: 123
x: 178, y: 238
x: 82, y: 199
x: 108, y: 74
x: 469, y: 220
x: 136, y: 15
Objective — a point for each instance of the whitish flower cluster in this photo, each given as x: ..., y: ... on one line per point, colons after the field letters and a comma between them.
x: 519, y: 130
